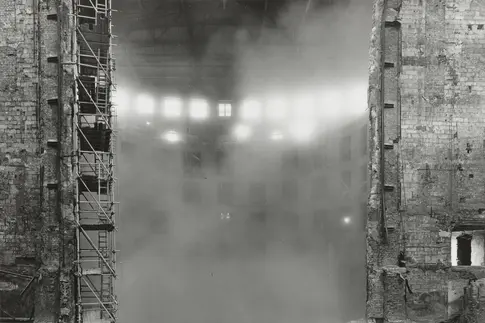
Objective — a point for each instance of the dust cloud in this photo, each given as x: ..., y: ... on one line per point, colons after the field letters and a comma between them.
x: 172, y: 266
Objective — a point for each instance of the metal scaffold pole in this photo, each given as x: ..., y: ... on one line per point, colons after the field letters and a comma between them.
x: 94, y: 164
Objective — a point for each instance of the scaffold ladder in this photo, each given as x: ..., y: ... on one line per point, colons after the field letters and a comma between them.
x: 93, y: 130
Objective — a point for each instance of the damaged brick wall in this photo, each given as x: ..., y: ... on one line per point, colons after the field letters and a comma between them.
x: 426, y: 94
x: 35, y: 131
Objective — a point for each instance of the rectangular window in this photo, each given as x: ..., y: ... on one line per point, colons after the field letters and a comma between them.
x: 318, y: 188
x: 345, y: 148
x: 290, y: 190
x: 290, y: 161
x: 192, y: 162
x: 225, y: 193
x: 320, y: 218
x: 347, y: 179
x: 191, y: 193
x: 318, y: 160
x: 223, y: 160
x: 290, y: 220
x: 225, y: 109
x: 220, y: 161
x: 257, y: 193
x: 259, y: 217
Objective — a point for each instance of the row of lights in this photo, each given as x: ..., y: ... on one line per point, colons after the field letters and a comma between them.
x: 227, y: 216
x: 242, y: 132
x: 249, y: 110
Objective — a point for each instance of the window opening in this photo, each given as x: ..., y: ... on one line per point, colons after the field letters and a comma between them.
x: 225, y: 193
x: 468, y: 247
x: 220, y: 159
x: 345, y: 148
x: 290, y: 161
x: 225, y: 109
x: 290, y: 190
x: 191, y: 193
x: 464, y: 250
x: 257, y: 193
x: 318, y: 189
x: 347, y: 179
x: 192, y: 162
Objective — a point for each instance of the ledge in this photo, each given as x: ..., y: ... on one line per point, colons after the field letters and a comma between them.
x: 394, y: 269
x: 476, y: 271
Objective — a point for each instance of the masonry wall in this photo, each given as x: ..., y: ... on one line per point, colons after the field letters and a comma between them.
x: 426, y: 100
x: 35, y: 131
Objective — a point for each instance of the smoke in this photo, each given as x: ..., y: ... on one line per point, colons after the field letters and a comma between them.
x: 321, y: 51
x: 171, y: 266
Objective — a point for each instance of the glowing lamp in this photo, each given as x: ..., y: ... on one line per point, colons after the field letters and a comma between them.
x: 276, y: 135
x: 171, y: 136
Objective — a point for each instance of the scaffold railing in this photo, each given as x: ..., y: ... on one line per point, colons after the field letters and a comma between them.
x: 94, y: 164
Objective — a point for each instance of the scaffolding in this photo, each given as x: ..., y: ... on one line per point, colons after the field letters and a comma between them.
x: 94, y: 164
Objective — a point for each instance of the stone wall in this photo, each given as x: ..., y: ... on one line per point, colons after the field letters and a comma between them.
x: 35, y: 94
x: 427, y: 146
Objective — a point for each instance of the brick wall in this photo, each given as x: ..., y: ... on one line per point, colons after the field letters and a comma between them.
x: 426, y: 122
x: 31, y: 211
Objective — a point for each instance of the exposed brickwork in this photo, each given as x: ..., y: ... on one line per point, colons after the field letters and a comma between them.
x: 426, y: 122
x: 30, y: 210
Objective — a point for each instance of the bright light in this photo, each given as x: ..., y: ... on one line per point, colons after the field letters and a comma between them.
x: 225, y: 109
x: 331, y: 103
x: 347, y: 220
x: 303, y: 130
x: 121, y: 100
x: 276, y: 108
x: 171, y: 136
x: 251, y: 109
x: 199, y: 109
x: 242, y: 132
x: 276, y: 135
x: 356, y: 100
x: 172, y: 107
x: 305, y: 107
x: 145, y: 104
x: 148, y: 123
x: 225, y: 216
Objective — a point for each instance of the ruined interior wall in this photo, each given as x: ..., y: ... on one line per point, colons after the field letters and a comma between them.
x: 432, y: 139
x: 31, y: 243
